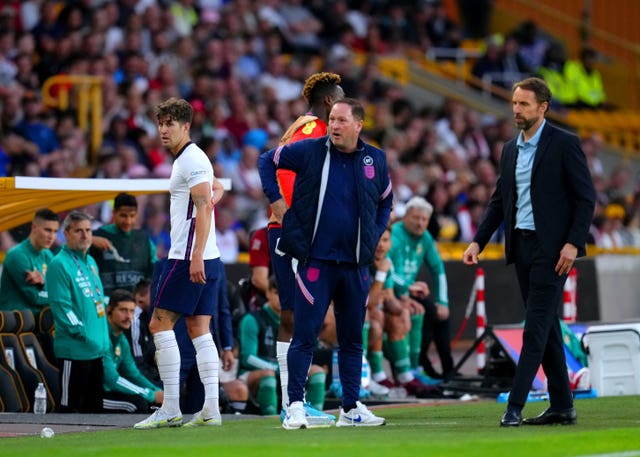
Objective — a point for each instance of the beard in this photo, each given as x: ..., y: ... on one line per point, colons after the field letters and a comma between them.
x: 525, y: 124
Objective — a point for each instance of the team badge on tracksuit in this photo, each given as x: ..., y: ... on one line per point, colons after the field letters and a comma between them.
x: 369, y: 169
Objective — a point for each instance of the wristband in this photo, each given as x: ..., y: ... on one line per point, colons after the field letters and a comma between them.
x: 380, y: 276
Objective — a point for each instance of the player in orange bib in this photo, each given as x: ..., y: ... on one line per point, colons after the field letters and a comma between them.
x: 320, y: 91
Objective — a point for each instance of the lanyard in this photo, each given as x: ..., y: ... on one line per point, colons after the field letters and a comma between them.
x: 97, y: 297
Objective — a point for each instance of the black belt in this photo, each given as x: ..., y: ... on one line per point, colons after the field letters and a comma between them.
x: 526, y: 233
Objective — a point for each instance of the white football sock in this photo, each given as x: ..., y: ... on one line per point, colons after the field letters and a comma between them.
x: 168, y: 360
x: 208, y: 362
x: 282, y: 348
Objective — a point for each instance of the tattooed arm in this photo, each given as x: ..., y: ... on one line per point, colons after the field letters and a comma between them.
x: 201, y: 196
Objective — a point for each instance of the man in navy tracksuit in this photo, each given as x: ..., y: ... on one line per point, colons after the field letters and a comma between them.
x: 341, y: 205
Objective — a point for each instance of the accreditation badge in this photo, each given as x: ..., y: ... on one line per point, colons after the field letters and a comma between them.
x: 100, y: 308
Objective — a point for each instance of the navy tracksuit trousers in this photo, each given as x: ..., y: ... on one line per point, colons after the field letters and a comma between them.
x: 317, y: 284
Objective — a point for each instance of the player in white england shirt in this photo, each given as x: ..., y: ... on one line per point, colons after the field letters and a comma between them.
x: 190, y: 280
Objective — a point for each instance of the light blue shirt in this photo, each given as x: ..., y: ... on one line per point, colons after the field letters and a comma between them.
x: 524, y: 165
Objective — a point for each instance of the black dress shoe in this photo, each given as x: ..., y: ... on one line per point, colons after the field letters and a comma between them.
x: 549, y: 417
x: 510, y: 419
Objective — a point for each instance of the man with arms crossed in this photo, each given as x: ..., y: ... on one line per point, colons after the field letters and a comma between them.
x: 545, y: 198
x: 22, y: 285
x: 191, y: 276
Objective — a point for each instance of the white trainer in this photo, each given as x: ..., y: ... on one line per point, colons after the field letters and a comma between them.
x: 360, y: 416
x: 198, y: 420
x: 377, y: 390
x: 160, y: 419
x: 296, y: 417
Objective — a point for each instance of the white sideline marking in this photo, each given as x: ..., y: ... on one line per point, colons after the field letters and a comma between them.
x: 432, y: 423
x: 635, y: 453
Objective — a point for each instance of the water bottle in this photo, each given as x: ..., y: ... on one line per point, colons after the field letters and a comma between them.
x: 40, y: 402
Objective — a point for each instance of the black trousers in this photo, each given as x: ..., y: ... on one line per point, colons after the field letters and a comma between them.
x: 118, y: 402
x: 541, y: 290
x: 436, y: 331
x: 80, y: 385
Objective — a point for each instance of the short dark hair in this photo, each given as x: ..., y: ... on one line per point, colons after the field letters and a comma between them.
x: 320, y: 85
x: 124, y: 199
x: 143, y: 286
x: 175, y: 109
x: 538, y: 86
x: 45, y: 214
x: 119, y: 295
x: 357, y: 110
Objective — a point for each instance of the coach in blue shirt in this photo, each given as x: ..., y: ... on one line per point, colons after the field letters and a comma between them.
x: 340, y: 208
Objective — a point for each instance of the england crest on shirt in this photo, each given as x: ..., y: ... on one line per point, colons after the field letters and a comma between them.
x: 369, y: 169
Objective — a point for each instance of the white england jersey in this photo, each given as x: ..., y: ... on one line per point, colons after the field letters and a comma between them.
x: 191, y: 167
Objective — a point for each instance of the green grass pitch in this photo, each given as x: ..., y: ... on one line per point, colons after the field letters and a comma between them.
x: 608, y: 427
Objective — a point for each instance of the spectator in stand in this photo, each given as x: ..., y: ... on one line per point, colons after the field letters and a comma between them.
x: 469, y: 217
x: 501, y: 64
x: 226, y: 236
x: 474, y: 139
x: 23, y: 285
x: 619, y: 179
x: 276, y: 84
x: 612, y: 231
x: 245, y: 182
x: 126, y: 389
x: 156, y: 227
x: 237, y: 123
x: 476, y: 17
x: 532, y: 44
x: 585, y: 78
x: 32, y: 126
x: 552, y: 71
x: 592, y: 145
x: 441, y: 222
x: 396, y: 27
x: 124, y: 254
x: 441, y: 30
x: 301, y: 27
x: 515, y: 67
x: 77, y: 303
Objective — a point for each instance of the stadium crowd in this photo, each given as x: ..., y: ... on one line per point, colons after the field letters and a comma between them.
x: 242, y: 64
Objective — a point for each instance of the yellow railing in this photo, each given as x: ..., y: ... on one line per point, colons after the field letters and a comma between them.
x: 87, y: 91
